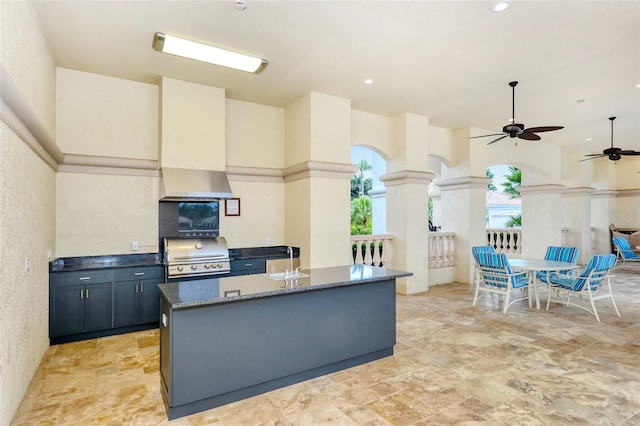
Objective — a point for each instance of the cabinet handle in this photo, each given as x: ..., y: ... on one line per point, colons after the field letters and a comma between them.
x: 85, y: 278
x: 86, y: 293
x: 137, y: 288
x: 137, y: 274
x: 248, y: 264
x: 141, y: 288
x: 81, y: 294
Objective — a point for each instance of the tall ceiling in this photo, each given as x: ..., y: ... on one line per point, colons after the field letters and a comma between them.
x: 578, y: 62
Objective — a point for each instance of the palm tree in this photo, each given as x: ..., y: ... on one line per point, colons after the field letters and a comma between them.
x: 363, y: 166
x: 491, y: 187
x: 512, y: 185
x: 514, y: 221
x: 361, y: 216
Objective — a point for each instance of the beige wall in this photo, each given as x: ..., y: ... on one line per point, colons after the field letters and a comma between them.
x: 27, y: 203
x: 193, y: 126
x: 261, y: 220
x: 255, y: 135
x: 103, y: 210
x: 103, y: 214
x: 106, y: 116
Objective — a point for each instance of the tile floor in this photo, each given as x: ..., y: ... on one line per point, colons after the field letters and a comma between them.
x: 453, y: 364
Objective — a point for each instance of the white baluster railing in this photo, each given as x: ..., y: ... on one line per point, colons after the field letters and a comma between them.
x: 441, y: 249
x: 505, y: 240
x: 361, y: 246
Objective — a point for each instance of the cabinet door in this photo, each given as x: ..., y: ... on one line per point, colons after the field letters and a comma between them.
x: 98, y: 307
x: 149, y: 301
x: 126, y: 303
x: 68, y: 310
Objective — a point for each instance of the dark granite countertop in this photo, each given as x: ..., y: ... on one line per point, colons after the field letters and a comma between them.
x: 85, y: 263
x: 212, y: 291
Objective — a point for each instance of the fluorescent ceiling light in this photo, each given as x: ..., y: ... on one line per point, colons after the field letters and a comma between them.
x: 203, y: 52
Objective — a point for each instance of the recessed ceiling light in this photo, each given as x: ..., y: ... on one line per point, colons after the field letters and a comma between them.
x: 500, y: 6
x: 580, y: 101
x: 638, y: 86
x: 589, y: 139
x: 368, y: 81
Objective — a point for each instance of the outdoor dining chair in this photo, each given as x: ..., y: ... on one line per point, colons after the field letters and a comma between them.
x: 625, y: 253
x: 496, y: 276
x: 560, y: 254
x: 476, y: 272
x: 592, y: 283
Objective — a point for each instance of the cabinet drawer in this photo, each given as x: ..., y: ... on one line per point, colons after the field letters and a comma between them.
x: 141, y: 273
x: 81, y: 277
x: 248, y: 266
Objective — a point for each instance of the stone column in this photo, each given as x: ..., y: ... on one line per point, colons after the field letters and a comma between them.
x: 541, y: 219
x: 407, y: 184
x: 462, y: 198
x: 603, y: 214
x: 378, y: 197
x: 576, y: 208
x: 317, y: 179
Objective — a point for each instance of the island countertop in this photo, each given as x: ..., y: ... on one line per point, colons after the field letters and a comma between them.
x: 211, y: 291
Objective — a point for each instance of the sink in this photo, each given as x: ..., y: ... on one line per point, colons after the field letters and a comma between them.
x: 280, y: 276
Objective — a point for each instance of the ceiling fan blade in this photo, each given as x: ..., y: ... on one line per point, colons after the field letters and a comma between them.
x: 496, y: 140
x: 529, y: 136
x: 629, y: 152
x: 484, y: 136
x: 592, y: 157
x: 543, y: 129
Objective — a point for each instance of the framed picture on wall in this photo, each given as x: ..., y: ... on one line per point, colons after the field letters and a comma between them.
x: 232, y: 207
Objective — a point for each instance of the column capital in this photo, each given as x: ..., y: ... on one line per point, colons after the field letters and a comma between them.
x: 377, y: 193
x: 407, y: 176
x: 465, y: 182
x: 324, y: 169
x: 542, y: 189
x: 575, y: 192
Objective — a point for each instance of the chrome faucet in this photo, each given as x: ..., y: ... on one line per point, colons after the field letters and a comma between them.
x: 290, y: 252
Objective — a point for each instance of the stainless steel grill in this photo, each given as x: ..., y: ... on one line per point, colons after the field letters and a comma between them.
x: 196, y: 257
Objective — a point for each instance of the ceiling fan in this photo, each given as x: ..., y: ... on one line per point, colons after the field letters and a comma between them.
x: 613, y: 153
x: 517, y: 130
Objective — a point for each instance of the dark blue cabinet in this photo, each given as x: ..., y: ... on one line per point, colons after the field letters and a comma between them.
x: 136, y: 296
x: 95, y: 303
x: 80, y: 302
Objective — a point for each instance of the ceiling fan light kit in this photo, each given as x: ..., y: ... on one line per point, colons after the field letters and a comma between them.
x: 612, y: 152
x: 185, y: 48
x: 518, y: 130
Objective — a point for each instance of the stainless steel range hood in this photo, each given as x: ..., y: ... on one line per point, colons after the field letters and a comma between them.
x: 194, y: 185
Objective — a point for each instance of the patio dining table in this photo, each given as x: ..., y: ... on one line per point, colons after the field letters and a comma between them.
x: 538, y: 265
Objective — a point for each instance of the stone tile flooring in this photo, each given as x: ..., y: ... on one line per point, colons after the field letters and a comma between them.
x: 453, y: 364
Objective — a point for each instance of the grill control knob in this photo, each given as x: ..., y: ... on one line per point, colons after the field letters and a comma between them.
x: 194, y: 267
x: 180, y: 268
x: 198, y: 246
x: 207, y: 266
x: 219, y: 265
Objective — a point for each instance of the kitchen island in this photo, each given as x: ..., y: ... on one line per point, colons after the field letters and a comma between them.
x: 226, y: 339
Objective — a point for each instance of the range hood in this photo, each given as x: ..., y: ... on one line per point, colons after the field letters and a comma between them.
x: 194, y: 185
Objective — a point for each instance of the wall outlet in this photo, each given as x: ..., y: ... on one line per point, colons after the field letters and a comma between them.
x: 27, y: 264
x: 49, y: 253
x: 267, y: 240
x: 134, y: 246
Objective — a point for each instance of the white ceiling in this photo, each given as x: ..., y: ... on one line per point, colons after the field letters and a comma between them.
x: 448, y: 60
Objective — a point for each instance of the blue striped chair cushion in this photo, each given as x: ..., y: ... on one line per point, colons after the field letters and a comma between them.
x: 560, y: 254
x: 623, y: 246
x: 499, y: 263
x: 597, y: 267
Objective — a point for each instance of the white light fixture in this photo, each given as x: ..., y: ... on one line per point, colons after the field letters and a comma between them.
x: 500, y: 6
x: 203, y: 52
x: 368, y: 81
